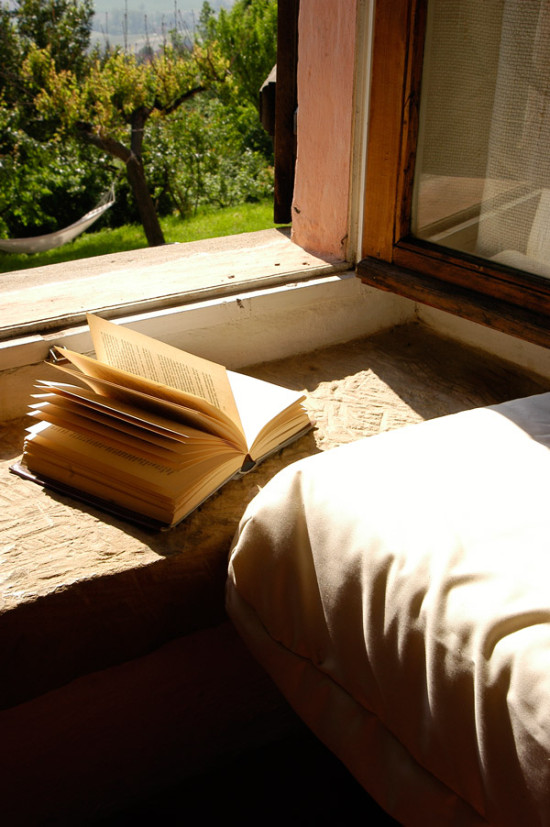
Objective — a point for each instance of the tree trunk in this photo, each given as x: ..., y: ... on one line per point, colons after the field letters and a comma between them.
x: 136, y: 177
x: 134, y: 170
x: 146, y: 207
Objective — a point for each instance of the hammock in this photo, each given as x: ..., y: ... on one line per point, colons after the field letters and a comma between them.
x: 41, y: 243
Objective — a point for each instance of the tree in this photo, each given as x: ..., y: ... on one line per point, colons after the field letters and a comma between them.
x: 45, y: 185
x: 214, y: 150
x: 200, y: 157
x: 62, y: 91
x: 35, y: 169
x: 58, y: 91
x: 63, y: 27
x: 246, y: 36
x: 110, y: 106
x: 58, y: 25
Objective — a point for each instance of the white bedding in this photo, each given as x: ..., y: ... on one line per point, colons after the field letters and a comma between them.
x: 398, y: 592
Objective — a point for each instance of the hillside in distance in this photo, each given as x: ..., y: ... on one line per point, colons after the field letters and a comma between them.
x: 116, y: 20
x: 161, y: 6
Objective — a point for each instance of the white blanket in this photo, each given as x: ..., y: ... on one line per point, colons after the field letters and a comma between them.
x: 398, y: 592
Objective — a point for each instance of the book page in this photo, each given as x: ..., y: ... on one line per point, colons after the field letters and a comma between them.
x: 138, y: 441
x: 259, y: 402
x: 89, y: 467
x: 118, y: 383
x: 154, y: 422
x: 145, y: 407
x: 143, y: 356
x: 87, y: 454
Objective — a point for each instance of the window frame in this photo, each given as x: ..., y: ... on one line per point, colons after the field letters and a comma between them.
x: 504, y: 298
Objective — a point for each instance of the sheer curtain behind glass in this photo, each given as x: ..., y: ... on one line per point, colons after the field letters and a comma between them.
x: 482, y: 181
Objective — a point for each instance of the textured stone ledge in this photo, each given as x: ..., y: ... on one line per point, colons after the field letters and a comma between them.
x: 81, y: 591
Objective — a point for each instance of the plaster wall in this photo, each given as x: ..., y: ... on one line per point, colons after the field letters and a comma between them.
x: 326, y: 61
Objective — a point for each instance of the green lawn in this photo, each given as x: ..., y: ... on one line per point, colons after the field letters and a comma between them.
x: 245, y: 218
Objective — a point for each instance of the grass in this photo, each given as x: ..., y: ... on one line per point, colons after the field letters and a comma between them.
x: 207, y: 223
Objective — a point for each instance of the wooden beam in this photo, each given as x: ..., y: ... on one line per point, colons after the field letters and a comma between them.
x: 387, y: 102
x: 458, y: 300
x: 285, y: 109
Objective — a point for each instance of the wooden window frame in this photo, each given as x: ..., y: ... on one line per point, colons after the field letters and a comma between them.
x: 509, y: 300
x: 286, y: 102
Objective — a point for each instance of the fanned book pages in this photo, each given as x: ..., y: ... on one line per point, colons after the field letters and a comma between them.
x: 148, y: 431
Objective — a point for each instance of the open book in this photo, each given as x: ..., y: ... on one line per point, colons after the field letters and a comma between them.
x: 148, y: 431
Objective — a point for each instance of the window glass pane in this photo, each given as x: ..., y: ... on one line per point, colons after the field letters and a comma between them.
x: 482, y: 180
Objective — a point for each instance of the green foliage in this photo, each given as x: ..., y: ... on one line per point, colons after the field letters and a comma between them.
x: 20, y: 156
x: 61, y: 26
x: 11, y: 54
x: 247, y: 38
x: 200, y: 156
x: 44, y: 186
x: 66, y: 112
x: 114, y: 89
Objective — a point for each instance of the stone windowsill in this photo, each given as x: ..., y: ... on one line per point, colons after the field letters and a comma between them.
x: 81, y: 590
x: 48, y: 298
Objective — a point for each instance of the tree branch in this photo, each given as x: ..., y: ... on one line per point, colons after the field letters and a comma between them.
x: 105, y: 143
x: 167, y: 110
